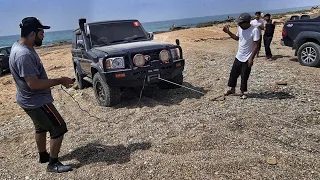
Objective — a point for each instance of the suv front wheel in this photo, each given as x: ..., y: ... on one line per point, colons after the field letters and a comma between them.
x: 106, y: 95
x: 309, y: 54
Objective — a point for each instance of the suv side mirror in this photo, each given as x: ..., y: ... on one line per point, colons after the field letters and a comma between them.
x: 150, y: 35
x: 80, y: 43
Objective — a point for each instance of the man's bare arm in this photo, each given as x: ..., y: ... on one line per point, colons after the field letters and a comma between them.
x: 255, y: 50
x: 275, y: 21
x: 233, y: 36
x: 261, y: 27
x: 227, y: 30
x: 254, y: 53
x: 40, y: 84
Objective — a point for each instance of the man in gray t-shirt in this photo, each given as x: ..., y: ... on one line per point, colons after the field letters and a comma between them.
x: 34, y: 93
x: 26, y: 62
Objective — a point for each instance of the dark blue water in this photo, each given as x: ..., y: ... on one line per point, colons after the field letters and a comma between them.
x: 62, y: 36
x: 50, y: 38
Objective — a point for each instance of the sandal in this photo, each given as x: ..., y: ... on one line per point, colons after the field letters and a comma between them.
x: 243, y: 96
x: 229, y: 92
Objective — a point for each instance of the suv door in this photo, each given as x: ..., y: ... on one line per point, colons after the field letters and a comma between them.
x: 4, y: 58
x: 79, y: 52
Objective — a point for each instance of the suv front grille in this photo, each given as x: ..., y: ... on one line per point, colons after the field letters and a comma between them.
x: 154, y: 54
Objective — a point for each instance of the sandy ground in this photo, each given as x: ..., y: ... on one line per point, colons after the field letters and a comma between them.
x: 179, y: 134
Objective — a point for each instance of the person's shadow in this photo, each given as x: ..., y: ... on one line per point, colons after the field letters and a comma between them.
x: 96, y: 152
x: 270, y: 95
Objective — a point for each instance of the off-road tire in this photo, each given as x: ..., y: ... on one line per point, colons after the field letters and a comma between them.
x: 111, y: 94
x: 177, y: 79
x: 315, y: 47
x: 80, y: 81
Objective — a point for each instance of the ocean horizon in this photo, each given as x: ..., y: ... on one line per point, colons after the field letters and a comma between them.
x: 54, y: 37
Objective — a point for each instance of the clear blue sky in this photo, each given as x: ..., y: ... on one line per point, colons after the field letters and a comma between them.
x: 64, y: 14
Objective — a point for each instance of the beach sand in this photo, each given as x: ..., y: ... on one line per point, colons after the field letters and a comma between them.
x: 179, y: 134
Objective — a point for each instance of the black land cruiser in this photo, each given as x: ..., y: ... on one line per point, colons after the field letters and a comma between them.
x: 115, y: 55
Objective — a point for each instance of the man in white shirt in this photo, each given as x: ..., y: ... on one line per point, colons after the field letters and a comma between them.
x: 248, y: 37
x: 258, y: 23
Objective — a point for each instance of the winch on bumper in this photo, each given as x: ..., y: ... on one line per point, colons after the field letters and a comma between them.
x: 144, y: 75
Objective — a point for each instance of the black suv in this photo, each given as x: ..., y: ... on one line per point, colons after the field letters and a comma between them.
x: 4, y: 58
x: 115, y: 55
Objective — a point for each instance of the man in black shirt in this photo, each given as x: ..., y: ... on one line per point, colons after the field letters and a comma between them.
x: 268, y: 34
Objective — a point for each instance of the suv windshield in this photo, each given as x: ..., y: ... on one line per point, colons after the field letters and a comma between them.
x: 106, y: 33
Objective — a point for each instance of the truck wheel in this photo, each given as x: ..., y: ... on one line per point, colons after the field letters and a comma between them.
x: 1, y: 70
x: 81, y: 83
x: 106, y: 95
x: 165, y: 85
x: 309, y: 54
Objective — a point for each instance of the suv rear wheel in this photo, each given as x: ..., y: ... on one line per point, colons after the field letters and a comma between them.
x: 106, y: 95
x: 178, y: 80
x: 309, y: 54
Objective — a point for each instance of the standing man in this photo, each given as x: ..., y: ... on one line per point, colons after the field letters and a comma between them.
x: 268, y: 34
x: 258, y: 23
x: 248, y: 37
x: 34, y: 93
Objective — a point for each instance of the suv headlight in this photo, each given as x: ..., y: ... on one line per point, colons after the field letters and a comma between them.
x: 164, y: 56
x: 175, y: 53
x: 115, y: 63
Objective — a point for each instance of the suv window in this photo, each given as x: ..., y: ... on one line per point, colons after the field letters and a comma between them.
x: 4, y: 51
x: 105, y: 33
x: 9, y: 50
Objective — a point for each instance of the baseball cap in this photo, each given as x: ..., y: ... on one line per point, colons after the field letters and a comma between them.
x: 32, y: 23
x: 244, y: 17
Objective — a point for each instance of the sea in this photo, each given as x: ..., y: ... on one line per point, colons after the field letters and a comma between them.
x: 54, y: 37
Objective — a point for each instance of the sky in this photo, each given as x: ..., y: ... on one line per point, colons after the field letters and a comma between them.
x: 64, y: 14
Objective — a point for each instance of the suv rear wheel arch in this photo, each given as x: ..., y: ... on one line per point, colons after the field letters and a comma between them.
x: 79, y: 77
x: 302, y: 41
x: 93, y: 71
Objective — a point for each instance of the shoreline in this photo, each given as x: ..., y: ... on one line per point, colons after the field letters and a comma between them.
x: 283, y: 16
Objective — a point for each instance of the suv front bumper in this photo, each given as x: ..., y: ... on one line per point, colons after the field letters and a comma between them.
x: 149, y: 75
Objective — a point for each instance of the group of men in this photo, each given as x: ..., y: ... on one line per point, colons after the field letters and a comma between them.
x: 268, y: 29
x: 249, y: 35
x: 33, y: 85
